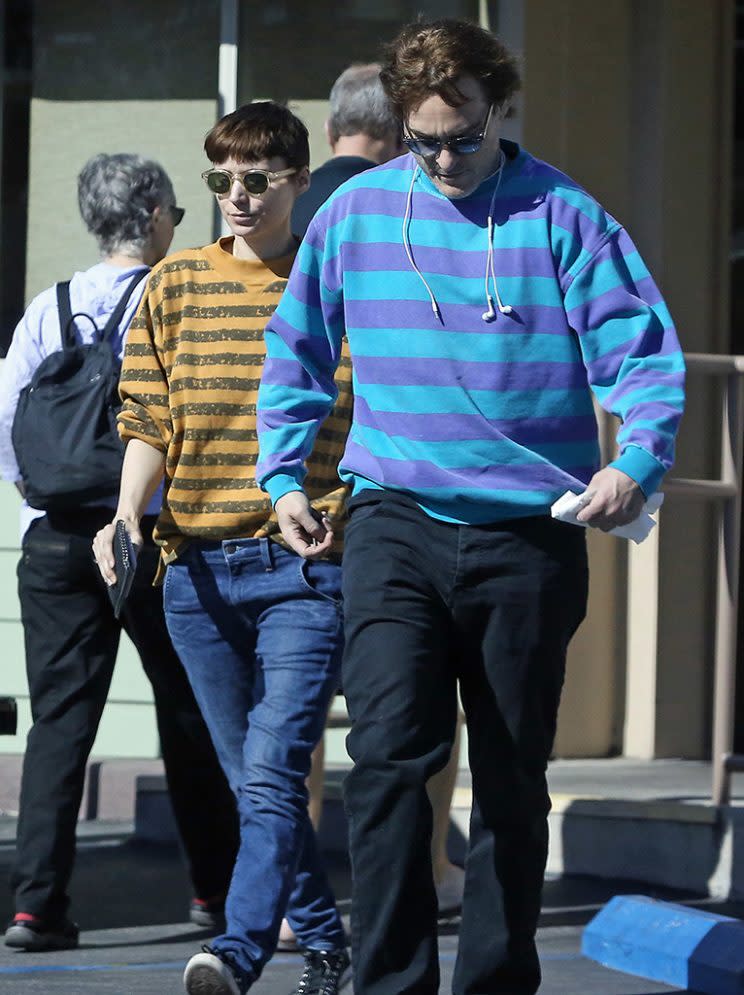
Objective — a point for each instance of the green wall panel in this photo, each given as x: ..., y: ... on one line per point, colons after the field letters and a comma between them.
x: 65, y: 135
x: 10, y: 503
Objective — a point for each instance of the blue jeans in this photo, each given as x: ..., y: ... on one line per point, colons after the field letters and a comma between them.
x: 259, y: 631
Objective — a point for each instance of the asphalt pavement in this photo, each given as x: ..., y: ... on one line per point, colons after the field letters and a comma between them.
x: 131, y: 902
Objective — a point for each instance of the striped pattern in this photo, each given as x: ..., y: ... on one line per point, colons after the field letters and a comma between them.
x: 189, y: 385
x: 478, y: 421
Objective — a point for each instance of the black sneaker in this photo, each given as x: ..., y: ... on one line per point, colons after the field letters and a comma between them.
x: 326, y: 973
x: 208, y: 914
x: 27, y: 932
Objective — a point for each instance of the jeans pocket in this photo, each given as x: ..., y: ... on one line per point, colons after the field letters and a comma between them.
x: 322, y: 579
x: 43, y: 548
x: 178, y: 593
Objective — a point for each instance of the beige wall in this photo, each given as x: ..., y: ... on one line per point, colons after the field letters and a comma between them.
x: 631, y: 99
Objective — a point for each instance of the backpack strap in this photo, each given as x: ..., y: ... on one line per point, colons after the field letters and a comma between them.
x: 65, y: 315
x: 118, y: 313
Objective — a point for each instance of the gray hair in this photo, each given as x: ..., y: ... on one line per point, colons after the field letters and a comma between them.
x: 117, y: 195
x: 359, y: 104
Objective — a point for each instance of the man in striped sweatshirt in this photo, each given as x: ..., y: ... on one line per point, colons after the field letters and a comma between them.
x: 485, y: 298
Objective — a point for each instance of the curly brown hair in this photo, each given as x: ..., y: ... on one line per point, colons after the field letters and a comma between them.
x: 429, y: 57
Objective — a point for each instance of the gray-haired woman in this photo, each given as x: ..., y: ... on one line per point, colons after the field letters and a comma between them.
x: 71, y: 635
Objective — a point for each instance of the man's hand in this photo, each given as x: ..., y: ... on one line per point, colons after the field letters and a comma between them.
x: 304, y: 531
x: 616, y: 499
x: 103, y: 546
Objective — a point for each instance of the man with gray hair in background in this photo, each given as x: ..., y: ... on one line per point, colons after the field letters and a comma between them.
x: 362, y: 131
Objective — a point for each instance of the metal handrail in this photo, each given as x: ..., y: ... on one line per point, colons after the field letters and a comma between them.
x: 727, y: 492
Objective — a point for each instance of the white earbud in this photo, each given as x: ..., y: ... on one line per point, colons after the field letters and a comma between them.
x: 505, y: 308
x: 490, y: 314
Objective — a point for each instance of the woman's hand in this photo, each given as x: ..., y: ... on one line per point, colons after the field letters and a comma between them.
x: 103, y: 546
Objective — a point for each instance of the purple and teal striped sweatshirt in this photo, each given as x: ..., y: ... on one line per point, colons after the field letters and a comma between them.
x: 477, y: 420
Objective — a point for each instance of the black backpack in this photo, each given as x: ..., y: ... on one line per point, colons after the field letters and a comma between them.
x: 64, y: 431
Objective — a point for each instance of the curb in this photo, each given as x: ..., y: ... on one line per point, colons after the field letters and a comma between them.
x: 683, y: 947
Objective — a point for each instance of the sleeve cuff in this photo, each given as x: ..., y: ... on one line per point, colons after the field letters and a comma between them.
x: 642, y: 467
x: 280, y: 484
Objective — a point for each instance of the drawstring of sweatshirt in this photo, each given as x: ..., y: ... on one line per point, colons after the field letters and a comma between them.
x: 490, y: 275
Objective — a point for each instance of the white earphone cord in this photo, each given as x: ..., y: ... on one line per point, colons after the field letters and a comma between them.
x: 407, y: 245
x: 490, y: 314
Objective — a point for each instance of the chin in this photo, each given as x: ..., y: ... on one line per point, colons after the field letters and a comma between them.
x: 455, y: 191
x: 241, y: 230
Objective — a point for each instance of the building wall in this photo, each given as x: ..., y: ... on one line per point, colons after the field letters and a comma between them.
x: 134, y: 77
x: 629, y: 97
x: 128, y: 725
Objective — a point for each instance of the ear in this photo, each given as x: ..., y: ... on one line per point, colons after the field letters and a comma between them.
x: 302, y: 180
x: 155, y: 215
x: 329, y: 136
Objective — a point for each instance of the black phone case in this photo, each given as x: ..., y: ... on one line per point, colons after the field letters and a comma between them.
x: 125, y: 564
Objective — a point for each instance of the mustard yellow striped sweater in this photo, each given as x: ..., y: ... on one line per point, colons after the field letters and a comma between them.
x: 189, y: 385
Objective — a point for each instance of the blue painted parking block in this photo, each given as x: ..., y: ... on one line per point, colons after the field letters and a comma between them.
x: 688, y: 948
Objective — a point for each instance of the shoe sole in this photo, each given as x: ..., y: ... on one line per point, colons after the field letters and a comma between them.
x: 23, y: 938
x: 203, y: 980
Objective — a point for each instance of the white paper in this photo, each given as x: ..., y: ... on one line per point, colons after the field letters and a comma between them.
x: 567, y: 507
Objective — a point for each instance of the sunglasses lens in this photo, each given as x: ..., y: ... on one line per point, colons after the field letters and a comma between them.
x: 255, y: 182
x: 424, y: 149
x: 465, y: 145
x: 218, y: 182
x: 177, y: 214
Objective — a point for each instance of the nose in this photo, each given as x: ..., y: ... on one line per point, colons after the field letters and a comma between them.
x: 447, y: 160
x: 237, y: 191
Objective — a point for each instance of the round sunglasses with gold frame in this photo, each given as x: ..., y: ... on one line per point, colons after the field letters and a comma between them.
x: 254, y: 181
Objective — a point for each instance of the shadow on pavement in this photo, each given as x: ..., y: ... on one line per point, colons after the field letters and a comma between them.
x: 127, y: 883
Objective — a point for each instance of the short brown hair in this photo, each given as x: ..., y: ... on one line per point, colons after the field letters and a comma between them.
x: 260, y: 130
x: 428, y: 57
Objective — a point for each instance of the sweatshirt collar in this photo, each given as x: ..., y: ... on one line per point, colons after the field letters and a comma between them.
x: 220, y: 256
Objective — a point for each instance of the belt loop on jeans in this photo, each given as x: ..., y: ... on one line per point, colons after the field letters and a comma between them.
x: 267, y: 554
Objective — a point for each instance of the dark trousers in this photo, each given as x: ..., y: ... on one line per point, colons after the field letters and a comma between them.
x: 426, y: 604
x: 71, y: 640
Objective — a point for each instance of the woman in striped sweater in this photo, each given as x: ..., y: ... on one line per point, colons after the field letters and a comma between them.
x: 258, y: 628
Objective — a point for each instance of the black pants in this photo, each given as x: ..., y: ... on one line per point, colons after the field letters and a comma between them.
x: 71, y: 639
x: 427, y: 604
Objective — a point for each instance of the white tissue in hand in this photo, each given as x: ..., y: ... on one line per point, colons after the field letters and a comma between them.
x: 567, y: 507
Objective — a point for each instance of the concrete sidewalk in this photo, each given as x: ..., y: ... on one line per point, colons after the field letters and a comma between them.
x: 615, y: 818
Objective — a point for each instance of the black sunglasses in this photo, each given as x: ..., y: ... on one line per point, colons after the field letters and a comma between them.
x: 255, y: 181
x: 431, y: 148
x: 176, y: 214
